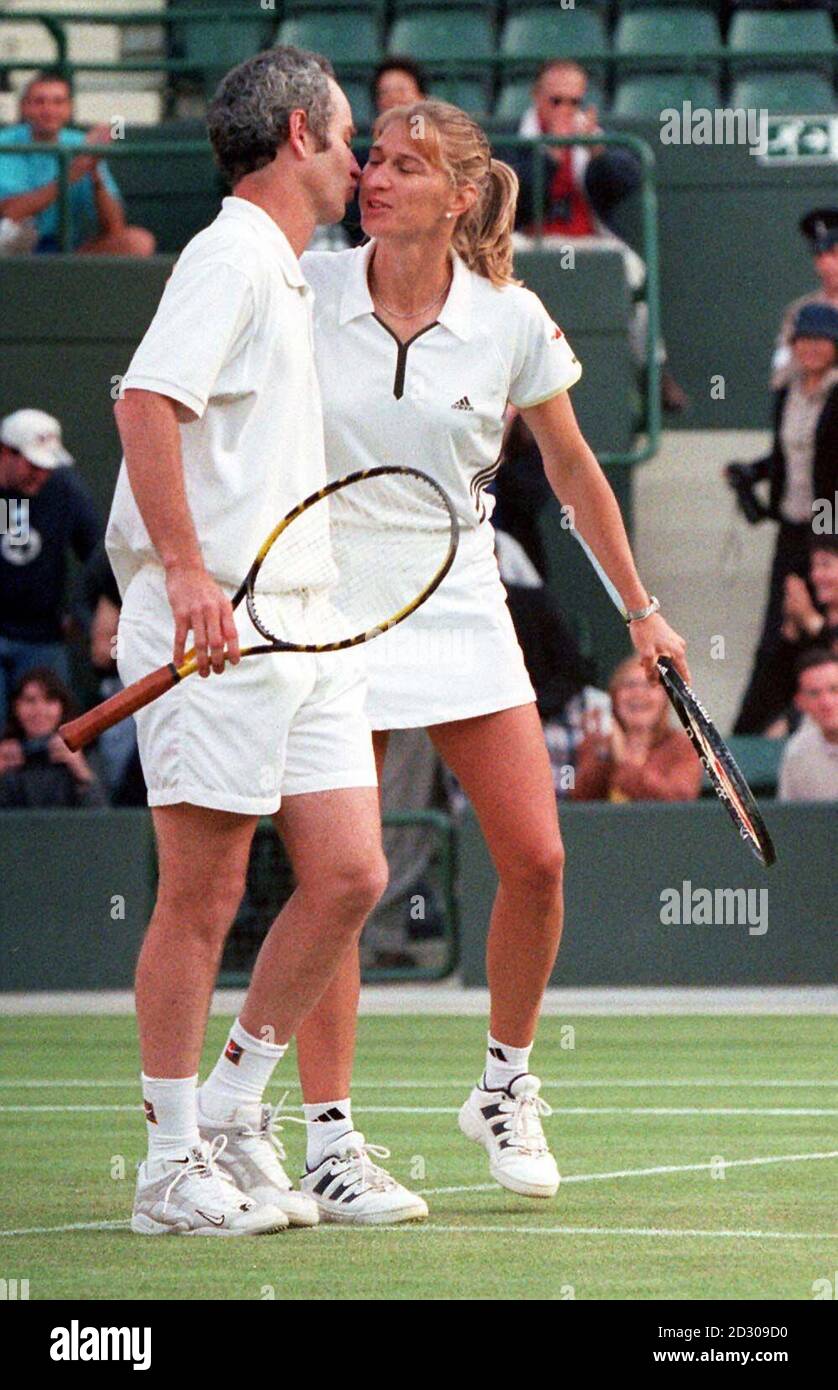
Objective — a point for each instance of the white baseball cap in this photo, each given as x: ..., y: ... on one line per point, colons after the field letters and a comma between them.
x: 37, y: 436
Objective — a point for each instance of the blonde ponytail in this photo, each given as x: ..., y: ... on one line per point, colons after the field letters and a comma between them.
x: 453, y: 142
x: 483, y: 236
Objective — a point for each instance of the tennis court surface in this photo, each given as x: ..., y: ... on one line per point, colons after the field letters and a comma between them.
x: 699, y: 1157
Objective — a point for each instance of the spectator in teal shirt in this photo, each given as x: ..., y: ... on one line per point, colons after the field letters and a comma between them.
x: 29, y: 182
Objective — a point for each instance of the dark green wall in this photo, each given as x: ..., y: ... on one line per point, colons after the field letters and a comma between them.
x: 60, y: 871
x: 620, y: 858
x: 60, y: 874
x: 731, y: 260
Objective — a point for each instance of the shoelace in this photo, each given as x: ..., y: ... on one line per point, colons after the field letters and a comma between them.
x: 355, y: 1162
x: 205, y: 1168
x: 270, y: 1127
x: 525, y: 1131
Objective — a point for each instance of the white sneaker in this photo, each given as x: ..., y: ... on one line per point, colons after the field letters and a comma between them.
x: 507, y: 1122
x: 348, y: 1186
x: 191, y: 1197
x: 252, y: 1158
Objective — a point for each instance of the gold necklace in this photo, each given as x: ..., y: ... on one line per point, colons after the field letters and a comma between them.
x: 416, y: 313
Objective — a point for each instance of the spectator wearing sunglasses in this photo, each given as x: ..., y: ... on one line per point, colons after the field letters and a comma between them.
x: 583, y: 186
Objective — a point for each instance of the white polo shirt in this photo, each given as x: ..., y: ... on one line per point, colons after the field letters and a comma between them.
x: 232, y: 341
x: 438, y: 401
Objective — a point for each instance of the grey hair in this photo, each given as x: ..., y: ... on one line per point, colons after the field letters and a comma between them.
x: 249, y: 117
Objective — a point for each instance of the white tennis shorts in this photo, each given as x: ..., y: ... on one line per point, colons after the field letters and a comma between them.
x: 273, y: 726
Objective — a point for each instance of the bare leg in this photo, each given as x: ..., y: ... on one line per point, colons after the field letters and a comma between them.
x: 502, y: 763
x: 326, y: 1037
x: 182, y: 948
x: 334, y: 842
x: 129, y: 241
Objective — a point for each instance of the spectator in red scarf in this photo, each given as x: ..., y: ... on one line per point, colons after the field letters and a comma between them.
x: 583, y: 185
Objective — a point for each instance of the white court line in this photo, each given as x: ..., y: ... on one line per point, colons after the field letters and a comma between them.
x: 31, y: 1083
x: 538, y: 1230
x: 429, y: 1228
x: 717, y: 1110
x: 647, y: 1172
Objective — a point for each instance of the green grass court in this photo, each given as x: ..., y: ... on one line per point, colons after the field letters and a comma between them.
x: 634, y: 1093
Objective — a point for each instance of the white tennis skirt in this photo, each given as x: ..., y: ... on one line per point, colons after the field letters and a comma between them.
x: 456, y: 657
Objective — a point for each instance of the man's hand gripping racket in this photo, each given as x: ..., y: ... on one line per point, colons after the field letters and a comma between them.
x: 345, y: 565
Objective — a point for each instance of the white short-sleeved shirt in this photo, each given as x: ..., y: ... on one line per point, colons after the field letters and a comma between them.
x: 438, y: 401
x: 232, y: 341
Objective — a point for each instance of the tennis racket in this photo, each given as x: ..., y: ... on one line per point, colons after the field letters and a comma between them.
x: 345, y: 565
x: 727, y: 780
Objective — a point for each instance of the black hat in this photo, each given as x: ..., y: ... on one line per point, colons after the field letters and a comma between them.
x: 816, y: 321
x: 821, y: 227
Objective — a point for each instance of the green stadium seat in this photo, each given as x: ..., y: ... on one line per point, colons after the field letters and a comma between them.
x: 516, y: 96
x: 715, y: 5
x: 403, y: 7
x: 470, y: 94
x: 668, y: 38
x: 216, y: 47
x: 345, y: 36
x: 798, y: 38
x: 291, y: 7
x: 647, y: 96
x: 786, y: 93
x: 534, y: 34
x: 359, y: 98
x: 174, y: 197
x: 759, y: 759
x: 443, y: 35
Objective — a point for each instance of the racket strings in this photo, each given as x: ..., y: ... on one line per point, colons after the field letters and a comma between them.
x: 352, y: 561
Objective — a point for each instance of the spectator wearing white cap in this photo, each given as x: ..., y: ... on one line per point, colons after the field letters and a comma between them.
x: 46, y: 511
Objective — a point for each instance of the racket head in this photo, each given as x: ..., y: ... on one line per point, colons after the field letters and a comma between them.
x: 719, y: 763
x: 352, y: 560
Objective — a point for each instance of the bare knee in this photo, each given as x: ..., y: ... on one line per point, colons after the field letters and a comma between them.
x: 138, y: 241
x: 538, y: 872
x: 203, y: 913
x: 355, y: 886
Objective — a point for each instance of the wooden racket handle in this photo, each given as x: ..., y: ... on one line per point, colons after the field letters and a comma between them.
x: 79, y: 732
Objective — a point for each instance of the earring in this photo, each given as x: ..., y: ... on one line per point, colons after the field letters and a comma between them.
x: 449, y: 215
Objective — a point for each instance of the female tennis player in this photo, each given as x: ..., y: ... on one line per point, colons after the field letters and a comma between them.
x: 422, y: 339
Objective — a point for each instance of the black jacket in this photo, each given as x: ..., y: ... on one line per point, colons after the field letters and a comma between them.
x: 824, y: 462
x: 41, y: 784
x: 609, y: 178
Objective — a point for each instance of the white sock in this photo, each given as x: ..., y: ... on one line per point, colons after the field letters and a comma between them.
x: 504, y: 1063
x: 170, y: 1113
x: 240, y: 1075
x: 325, y: 1123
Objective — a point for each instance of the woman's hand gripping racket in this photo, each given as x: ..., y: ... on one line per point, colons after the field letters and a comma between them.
x: 343, y: 566
x: 727, y: 780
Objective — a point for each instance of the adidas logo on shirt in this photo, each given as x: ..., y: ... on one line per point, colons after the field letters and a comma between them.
x: 463, y: 404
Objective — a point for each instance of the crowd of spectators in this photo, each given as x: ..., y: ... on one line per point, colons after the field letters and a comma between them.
x: 40, y: 613
x: 799, y: 482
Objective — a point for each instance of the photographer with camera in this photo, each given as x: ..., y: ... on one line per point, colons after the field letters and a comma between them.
x: 801, y: 468
x: 37, y: 769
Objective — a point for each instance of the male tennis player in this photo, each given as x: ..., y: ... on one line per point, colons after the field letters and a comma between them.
x: 222, y: 431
